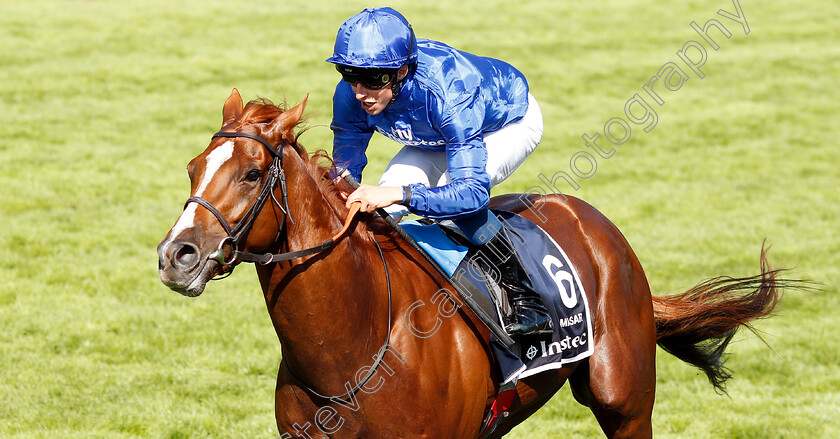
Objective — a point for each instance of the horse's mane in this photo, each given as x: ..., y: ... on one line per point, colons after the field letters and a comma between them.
x: 319, y: 164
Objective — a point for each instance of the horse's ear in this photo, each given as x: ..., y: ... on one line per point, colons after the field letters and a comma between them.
x: 232, y: 108
x: 283, y: 126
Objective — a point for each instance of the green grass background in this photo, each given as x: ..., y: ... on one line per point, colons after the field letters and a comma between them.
x: 104, y: 102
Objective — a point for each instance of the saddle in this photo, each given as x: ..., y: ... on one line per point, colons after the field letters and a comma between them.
x: 456, y: 255
x: 552, y: 275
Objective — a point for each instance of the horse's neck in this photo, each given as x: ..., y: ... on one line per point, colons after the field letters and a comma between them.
x: 329, y: 310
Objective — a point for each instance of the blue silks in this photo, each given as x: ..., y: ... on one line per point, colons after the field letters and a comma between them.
x: 446, y: 104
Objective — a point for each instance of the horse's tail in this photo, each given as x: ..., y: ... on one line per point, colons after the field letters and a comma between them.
x: 697, y: 326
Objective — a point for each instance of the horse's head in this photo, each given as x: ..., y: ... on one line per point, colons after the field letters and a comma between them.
x: 232, y: 205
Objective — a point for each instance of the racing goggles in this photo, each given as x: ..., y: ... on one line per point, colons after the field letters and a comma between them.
x: 372, y: 78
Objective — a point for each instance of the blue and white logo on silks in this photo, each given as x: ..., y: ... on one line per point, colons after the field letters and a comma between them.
x: 405, y: 136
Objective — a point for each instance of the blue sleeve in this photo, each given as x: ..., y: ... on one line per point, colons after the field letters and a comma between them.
x: 351, y: 132
x: 466, y: 155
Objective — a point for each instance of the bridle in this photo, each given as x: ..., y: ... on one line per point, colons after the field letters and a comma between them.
x: 235, y: 234
x: 274, y: 176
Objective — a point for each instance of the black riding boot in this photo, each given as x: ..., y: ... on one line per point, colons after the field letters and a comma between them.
x: 529, y: 312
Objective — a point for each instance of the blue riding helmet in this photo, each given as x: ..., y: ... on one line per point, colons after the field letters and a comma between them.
x: 375, y: 38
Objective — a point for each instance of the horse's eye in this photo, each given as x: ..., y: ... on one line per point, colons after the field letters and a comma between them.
x: 253, y: 175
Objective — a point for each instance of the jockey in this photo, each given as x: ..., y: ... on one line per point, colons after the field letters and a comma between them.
x: 466, y: 123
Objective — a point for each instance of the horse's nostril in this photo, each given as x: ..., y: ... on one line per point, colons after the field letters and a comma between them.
x: 186, y: 256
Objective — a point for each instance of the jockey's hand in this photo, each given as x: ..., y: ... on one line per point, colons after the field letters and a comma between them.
x: 375, y: 197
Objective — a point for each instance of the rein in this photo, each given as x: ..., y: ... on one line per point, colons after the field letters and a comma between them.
x: 379, y: 355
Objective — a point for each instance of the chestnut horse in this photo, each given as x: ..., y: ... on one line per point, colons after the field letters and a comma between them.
x: 355, y: 365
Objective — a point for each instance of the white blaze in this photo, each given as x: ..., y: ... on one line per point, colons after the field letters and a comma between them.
x: 215, y: 160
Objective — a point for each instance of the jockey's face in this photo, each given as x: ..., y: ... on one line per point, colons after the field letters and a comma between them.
x: 375, y: 100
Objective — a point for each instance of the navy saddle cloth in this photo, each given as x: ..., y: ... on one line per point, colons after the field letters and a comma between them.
x: 551, y: 274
